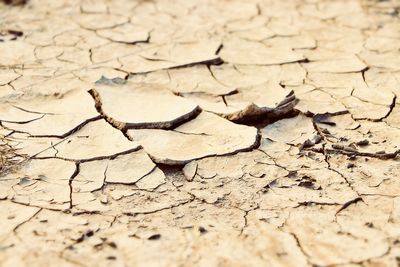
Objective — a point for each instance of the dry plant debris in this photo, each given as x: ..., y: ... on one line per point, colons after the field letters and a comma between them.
x: 200, y: 133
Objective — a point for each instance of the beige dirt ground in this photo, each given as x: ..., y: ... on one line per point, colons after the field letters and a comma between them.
x: 200, y: 133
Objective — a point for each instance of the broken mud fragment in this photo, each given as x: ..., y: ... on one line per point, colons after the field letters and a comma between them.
x: 136, y: 108
x: 55, y: 115
x: 87, y: 143
x: 206, y: 135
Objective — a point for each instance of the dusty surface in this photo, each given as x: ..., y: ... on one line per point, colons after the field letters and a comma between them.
x: 200, y: 133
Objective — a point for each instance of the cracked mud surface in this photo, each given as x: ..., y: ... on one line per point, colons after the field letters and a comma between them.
x: 200, y: 133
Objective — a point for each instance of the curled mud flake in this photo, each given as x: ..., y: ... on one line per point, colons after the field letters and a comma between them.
x: 136, y: 106
x: 263, y: 103
x: 206, y: 135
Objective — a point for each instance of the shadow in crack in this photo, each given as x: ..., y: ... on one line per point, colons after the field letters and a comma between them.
x: 14, y: 2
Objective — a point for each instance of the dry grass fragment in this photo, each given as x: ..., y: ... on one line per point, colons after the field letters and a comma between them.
x: 9, y: 157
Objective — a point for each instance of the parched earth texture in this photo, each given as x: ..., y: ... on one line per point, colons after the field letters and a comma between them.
x: 200, y: 133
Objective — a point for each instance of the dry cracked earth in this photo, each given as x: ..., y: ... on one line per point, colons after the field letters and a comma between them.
x: 200, y: 133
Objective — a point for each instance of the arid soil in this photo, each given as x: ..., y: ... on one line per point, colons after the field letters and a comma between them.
x: 200, y: 133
